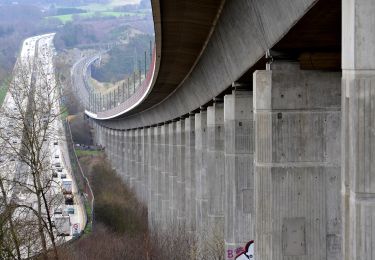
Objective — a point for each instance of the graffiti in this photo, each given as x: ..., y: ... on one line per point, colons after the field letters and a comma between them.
x: 247, y: 253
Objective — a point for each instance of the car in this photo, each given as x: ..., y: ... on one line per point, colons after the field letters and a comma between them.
x: 58, y: 165
x: 63, y: 176
x: 69, y: 199
x: 70, y: 210
x: 57, y: 156
x: 57, y: 211
x: 59, y: 170
x: 55, y: 143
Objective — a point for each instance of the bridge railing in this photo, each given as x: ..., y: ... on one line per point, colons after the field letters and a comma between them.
x: 124, y: 96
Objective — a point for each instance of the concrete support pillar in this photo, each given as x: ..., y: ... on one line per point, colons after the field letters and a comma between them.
x: 108, y: 142
x: 144, y: 165
x: 112, y: 147
x: 297, y: 163
x: 122, y: 154
x: 165, y: 165
x: 127, y: 157
x: 215, y: 171
x: 180, y: 138
x: 172, y: 173
x: 133, y: 169
x: 239, y: 171
x: 190, y: 190
x: 201, y: 183
x: 158, y: 175
x: 115, y: 145
x: 358, y: 135
x: 138, y: 163
x: 152, y: 202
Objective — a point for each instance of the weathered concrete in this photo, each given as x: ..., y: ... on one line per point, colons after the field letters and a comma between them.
x: 173, y: 170
x: 164, y: 169
x: 180, y: 140
x: 297, y: 165
x: 138, y: 162
x: 159, y: 150
x: 201, y: 183
x: 358, y: 98
x: 190, y: 190
x: 144, y: 165
x: 215, y: 170
x: 239, y: 171
x: 152, y: 180
x: 126, y: 157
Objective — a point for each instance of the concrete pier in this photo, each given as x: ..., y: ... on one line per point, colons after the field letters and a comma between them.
x: 239, y: 171
x: 180, y: 140
x: 358, y: 88
x: 297, y: 163
x: 215, y: 171
x: 201, y: 175
x: 152, y: 203
x: 190, y: 200
x: 172, y: 172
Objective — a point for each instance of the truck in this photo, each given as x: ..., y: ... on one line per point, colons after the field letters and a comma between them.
x: 69, y: 199
x: 62, y: 225
x: 67, y: 186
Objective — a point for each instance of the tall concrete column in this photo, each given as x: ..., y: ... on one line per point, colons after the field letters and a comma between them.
x: 107, y: 143
x: 133, y: 169
x: 138, y: 163
x: 122, y: 154
x: 152, y: 181
x: 172, y: 171
x: 215, y: 172
x: 239, y: 171
x: 180, y: 139
x: 190, y: 190
x: 159, y: 150
x: 126, y: 157
x: 358, y: 142
x: 144, y: 165
x: 297, y: 163
x: 201, y: 183
x: 164, y: 169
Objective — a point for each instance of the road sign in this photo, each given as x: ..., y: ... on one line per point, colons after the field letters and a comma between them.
x: 76, y: 229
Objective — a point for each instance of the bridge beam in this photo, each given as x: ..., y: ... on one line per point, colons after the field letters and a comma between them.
x: 358, y: 88
x: 297, y: 163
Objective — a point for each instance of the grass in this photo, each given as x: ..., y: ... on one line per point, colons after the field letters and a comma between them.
x: 88, y: 228
x: 64, y: 113
x: 69, y: 17
x: 80, y: 152
x: 3, y: 92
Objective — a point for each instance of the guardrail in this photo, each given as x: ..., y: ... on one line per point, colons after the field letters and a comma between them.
x: 121, y: 99
x: 82, y: 181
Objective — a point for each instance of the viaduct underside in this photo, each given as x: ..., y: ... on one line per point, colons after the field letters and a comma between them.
x: 276, y: 148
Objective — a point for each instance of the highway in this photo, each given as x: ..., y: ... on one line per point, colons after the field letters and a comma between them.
x: 38, y: 104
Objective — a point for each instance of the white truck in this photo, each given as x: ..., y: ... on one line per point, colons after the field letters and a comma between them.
x: 67, y: 186
x: 62, y: 225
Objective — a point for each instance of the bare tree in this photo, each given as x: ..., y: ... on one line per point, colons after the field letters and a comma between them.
x: 30, y: 127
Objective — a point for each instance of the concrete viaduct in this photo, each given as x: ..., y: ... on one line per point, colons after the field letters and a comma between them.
x: 256, y: 122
